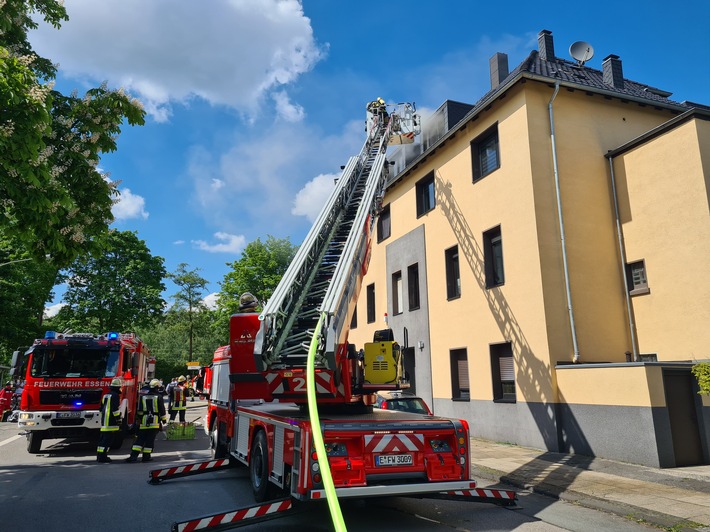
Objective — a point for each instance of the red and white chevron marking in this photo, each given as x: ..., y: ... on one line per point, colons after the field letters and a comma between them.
x: 393, y: 443
x: 297, y: 384
x: 482, y: 492
x: 189, y: 468
x: 211, y: 521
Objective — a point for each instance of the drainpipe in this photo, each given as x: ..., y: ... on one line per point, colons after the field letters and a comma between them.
x: 622, y: 254
x: 573, y: 329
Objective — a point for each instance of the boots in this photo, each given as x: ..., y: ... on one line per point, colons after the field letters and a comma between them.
x: 146, y: 458
x: 102, y: 458
x: 132, y: 458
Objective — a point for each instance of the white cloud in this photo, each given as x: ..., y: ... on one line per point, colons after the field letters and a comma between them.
x: 233, y: 53
x: 179, y: 242
x: 129, y: 206
x: 52, y: 310
x: 311, y: 198
x: 231, y: 243
x: 285, y: 109
x: 210, y: 301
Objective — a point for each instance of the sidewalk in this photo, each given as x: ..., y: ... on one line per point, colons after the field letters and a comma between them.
x: 676, y: 498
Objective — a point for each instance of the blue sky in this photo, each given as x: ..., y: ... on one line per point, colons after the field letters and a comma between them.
x: 253, y: 105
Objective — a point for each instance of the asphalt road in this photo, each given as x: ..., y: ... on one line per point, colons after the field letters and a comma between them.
x: 63, y: 489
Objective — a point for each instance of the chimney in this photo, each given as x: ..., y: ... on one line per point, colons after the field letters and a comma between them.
x: 499, y: 68
x: 611, y: 70
x: 545, y: 47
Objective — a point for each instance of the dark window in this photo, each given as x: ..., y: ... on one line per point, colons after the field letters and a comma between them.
x: 453, y: 275
x: 459, y: 375
x: 353, y: 322
x: 503, y: 373
x: 493, y: 257
x: 484, y: 153
x: 397, y: 304
x: 384, y: 228
x: 636, y: 278
x: 370, y: 303
x: 426, y: 199
x: 413, y: 286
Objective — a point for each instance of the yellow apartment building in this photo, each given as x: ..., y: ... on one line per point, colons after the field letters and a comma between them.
x: 542, y: 257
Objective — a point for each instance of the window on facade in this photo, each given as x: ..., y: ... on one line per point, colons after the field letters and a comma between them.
x: 353, y: 322
x: 371, y: 303
x: 503, y: 373
x: 384, y: 227
x: 426, y: 199
x: 397, y: 303
x: 453, y: 274
x: 636, y: 278
x: 485, y: 153
x: 493, y: 257
x: 460, y: 389
x: 413, y: 286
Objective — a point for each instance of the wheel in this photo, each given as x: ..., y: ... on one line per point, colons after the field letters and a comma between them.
x: 259, y: 467
x: 34, y: 442
x: 217, y: 444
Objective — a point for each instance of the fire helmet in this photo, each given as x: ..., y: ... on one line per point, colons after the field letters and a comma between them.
x: 181, y: 378
x: 248, y: 301
x: 116, y: 383
x: 154, y: 383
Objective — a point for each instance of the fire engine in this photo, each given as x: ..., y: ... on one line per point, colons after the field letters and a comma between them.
x: 292, y: 363
x: 67, y: 374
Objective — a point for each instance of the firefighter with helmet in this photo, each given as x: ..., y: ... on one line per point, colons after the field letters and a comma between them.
x: 248, y: 302
x: 110, y: 420
x: 150, y: 415
x: 179, y: 395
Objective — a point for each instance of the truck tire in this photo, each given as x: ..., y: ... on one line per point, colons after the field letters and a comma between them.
x: 259, y: 467
x: 34, y: 442
x: 217, y: 443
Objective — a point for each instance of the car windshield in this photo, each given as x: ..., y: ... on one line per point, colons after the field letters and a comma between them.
x: 67, y: 361
x: 414, y: 405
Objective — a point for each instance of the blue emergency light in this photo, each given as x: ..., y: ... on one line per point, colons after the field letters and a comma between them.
x: 50, y: 335
x: 113, y: 336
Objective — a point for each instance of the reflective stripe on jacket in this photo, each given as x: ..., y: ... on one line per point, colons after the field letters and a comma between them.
x: 179, y: 402
x: 110, y: 412
x: 151, y: 412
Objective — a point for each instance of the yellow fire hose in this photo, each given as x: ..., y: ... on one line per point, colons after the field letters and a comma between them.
x: 333, y: 503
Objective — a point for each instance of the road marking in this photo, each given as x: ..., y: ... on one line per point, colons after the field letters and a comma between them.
x: 10, y: 439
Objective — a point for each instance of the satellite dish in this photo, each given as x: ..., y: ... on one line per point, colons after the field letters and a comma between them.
x: 581, y: 51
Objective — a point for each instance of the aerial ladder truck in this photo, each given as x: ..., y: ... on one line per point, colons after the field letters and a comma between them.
x: 293, y: 360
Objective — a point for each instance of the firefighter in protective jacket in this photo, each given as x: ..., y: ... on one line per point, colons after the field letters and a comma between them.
x: 110, y: 420
x: 150, y: 415
x: 179, y: 395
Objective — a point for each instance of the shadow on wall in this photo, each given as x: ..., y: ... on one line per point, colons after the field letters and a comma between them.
x: 533, y: 376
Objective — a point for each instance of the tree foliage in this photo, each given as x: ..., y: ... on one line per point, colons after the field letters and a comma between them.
x: 54, y: 197
x: 701, y: 370
x: 118, y: 288
x: 189, y: 296
x: 24, y: 284
x: 258, y: 271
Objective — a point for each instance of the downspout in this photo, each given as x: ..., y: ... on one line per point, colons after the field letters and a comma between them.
x: 622, y: 254
x: 573, y: 329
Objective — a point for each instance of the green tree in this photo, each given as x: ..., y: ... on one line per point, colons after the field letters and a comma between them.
x: 25, y: 282
x: 56, y: 199
x: 258, y: 271
x: 118, y: 288
x: 168, y: 340
x: 189, y: 296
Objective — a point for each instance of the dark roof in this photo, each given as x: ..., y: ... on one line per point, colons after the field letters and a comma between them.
x: 569, y: 72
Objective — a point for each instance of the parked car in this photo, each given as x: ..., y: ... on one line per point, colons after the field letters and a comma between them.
x: 404, y: 402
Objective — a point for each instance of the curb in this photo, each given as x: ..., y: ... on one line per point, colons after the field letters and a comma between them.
x: 627, y: 511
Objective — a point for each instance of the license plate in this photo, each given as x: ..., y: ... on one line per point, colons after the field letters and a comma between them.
x: 68, y: 414
x: 393, y: 459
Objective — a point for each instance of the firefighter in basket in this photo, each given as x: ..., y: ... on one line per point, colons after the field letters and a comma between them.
x: 110, y: 420
x: 150, y: 416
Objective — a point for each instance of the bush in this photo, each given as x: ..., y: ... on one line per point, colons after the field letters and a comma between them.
x: 701, y: 371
